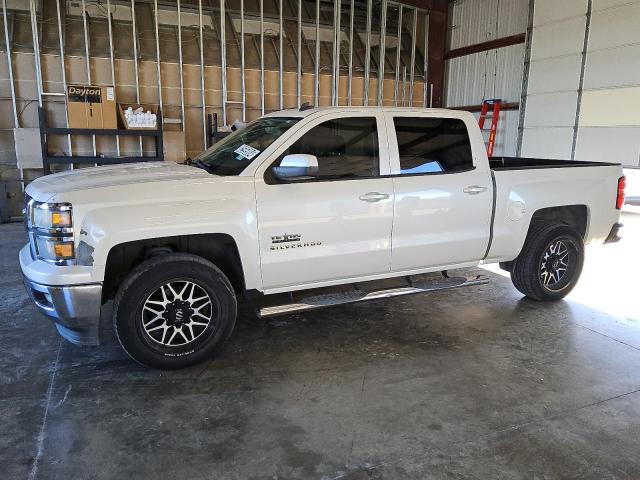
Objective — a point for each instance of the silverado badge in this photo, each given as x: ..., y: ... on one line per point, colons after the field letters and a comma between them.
x: 288, y: 241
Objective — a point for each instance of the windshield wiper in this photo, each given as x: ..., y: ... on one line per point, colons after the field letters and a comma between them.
x: 203, y: 166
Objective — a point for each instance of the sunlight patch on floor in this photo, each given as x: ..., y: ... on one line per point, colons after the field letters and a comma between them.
x: 611, y: 275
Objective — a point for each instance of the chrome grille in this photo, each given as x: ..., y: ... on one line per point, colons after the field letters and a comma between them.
x: 27, y: 213
x: 26, y: 210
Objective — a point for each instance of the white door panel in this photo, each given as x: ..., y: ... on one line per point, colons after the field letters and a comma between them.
x: 436, y: 223
x: 340, y: 234
x: 440, y: 218
x: 336, y: 226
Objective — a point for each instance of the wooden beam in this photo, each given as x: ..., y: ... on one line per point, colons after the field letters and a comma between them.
x: 433, y: 5
x: 436, y: 56
x: 484, y: 46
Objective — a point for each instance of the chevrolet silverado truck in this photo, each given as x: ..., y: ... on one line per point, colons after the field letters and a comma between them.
x: 303, y: 209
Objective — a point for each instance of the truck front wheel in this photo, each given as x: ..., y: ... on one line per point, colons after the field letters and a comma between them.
x: 550, y: 262
x: 174, y: 310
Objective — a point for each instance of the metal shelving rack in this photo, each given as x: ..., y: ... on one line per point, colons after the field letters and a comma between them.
x: 48, y: 160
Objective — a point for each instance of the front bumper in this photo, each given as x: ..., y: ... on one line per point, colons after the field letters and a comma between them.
x: 74, y: 309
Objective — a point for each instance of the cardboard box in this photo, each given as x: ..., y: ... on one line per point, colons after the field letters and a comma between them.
x: 91, y: 107
x: 123, y: 106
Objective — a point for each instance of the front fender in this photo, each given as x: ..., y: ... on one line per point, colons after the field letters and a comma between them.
x: 104, y: 228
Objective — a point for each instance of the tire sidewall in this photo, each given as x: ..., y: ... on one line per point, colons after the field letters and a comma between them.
x: 148, y: 277
x: 566, y: 234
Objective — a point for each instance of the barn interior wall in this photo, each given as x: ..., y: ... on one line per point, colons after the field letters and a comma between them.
x: 191, y: 77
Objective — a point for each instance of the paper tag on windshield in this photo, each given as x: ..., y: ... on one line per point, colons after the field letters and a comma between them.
x: 247, y: 151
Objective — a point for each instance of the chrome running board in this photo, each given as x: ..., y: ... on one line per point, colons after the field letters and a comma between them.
x: 312, y: 302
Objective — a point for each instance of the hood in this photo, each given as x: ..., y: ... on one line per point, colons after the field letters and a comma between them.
x: 44, y: 188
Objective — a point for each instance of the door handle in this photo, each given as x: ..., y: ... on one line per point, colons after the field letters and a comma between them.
x: 373, y: 197
x: 474, y: 189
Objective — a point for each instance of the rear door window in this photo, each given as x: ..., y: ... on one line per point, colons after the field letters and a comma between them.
x: 430, y: 145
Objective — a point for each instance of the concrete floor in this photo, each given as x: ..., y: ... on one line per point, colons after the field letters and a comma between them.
x: 474, y: 383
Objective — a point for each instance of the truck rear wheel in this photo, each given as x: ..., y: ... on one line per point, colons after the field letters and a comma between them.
x: 174, y: 310
x: 550, y: 262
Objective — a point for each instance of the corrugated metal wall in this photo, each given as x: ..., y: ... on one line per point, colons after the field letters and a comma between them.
x: 476, y: 21
x: 495, y: 73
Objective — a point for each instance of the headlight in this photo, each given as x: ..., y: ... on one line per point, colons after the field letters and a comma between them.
x: 52, y: 216
x: 51, y: 232
x: 51, y: 248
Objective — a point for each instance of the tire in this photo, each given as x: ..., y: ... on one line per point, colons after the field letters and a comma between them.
x: 550, y: 262
x: 173, y: 311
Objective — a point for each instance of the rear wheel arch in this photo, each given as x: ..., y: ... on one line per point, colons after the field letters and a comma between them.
x: 574, y: 216
x: 218, y: 248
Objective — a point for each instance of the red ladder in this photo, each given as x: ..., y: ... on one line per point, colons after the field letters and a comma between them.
x: 497, y: 103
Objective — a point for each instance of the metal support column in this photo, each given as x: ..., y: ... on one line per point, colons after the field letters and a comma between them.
x: 404, y: 85
x: 398, y: 57
x: 412, y: 69
x: 299, y: 70
x: 36, y: 48
x: 242, y: 70
x: 367, y: 55
x: 135, y: 61
x: 158, y: 72
x: 438, y: 25
x: 525, y: 78
x: 182, y: 109
x: 36, y: 55
x: 223, y: 60
x: 316, y: 86
x: 87, y: 57
x: 337, y: 5
x: 16, y: 121
x: 425, y: 75
x: 202, y: 82
x: 262, y: 57
x: 111, y: 60
x: 280, y: 61
x: 585, y: 47
x: 350, y: 77
x: 381, y: 63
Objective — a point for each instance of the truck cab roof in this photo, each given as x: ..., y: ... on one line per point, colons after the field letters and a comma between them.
x: 295, y: 112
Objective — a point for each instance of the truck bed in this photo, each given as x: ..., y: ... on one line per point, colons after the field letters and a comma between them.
x: 520, y: 163
x: 524, y: 186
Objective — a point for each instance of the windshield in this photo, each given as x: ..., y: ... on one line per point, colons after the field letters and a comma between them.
x: 233, y: 154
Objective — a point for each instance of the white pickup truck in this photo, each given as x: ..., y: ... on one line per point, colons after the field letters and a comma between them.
x: 303, y: 209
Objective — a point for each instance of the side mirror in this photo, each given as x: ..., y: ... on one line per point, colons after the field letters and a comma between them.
x: 297, y: 166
